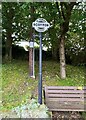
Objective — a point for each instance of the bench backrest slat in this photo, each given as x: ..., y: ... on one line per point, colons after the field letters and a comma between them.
x: 65, y: 87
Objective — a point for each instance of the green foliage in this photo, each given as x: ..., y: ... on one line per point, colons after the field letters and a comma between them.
x: 75, y: 41
x: 22, y: 23
x: 32, y: 110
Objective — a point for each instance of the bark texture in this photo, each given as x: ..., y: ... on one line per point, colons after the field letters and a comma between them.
x: 64, y: 10
x: 62, y: 58
x: 8, y: 54
x: 31, y: 49
x: 10, y: 15
x: 31, y: 62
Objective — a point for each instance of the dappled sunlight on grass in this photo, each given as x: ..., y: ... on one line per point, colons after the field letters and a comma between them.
x: 0, y: 85
x: 16, y: 84
x: 17, y: 87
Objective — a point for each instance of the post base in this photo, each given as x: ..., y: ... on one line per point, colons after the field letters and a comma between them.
x: 32, y: 76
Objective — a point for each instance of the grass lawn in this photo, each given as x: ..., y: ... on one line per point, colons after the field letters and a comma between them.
x: 17, y: 87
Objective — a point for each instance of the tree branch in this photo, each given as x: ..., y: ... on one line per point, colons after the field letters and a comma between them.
x: 58, y: 9
x: 72, y: 5
x: 62, y: 10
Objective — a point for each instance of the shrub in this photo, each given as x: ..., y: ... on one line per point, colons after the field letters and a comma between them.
x: 32, y: 110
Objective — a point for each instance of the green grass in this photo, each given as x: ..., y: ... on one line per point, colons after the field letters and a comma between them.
x: 17, y: 87
x: 51, y: 75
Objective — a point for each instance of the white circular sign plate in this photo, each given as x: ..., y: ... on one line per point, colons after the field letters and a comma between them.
x: 40, y: 25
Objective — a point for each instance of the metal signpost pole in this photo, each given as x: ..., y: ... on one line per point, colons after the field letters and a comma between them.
x: 33, y: 61
x: 31, y: 64
x: 40, y: 25
x: 40, y: 71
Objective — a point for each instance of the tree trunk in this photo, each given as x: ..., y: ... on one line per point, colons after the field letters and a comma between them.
x: 64, y: 10
x: 31, y: 58
x: 9, y: 30
x: 8, y: 54
x: 62, y: 57
x: 55, y: 53
x: 31, y: 50
x: 31, y: 62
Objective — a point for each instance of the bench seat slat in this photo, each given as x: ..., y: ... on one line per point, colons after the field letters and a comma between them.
x: 79, y: 110
x: 64, y: 105
x: 65, y: 98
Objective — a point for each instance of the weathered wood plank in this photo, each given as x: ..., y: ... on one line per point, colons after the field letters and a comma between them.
x: 65, y: 105
x: 65, y: 98
x: 66, y: 91
x: 78, y: 110
x: 65, y: 87
x: 51, y: 95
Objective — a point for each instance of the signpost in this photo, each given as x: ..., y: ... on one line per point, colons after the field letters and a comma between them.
x: 31, y: 44
x: 40, y: 25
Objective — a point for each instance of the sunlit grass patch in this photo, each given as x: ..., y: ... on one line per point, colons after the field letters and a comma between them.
x: 17, y: 87
x: 16, y: 84
x: 51, y: 75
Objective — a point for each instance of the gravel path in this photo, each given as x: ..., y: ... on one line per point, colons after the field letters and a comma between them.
x: 8, y: 115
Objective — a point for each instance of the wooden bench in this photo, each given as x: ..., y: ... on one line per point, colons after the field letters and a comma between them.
x: 65, y: 98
